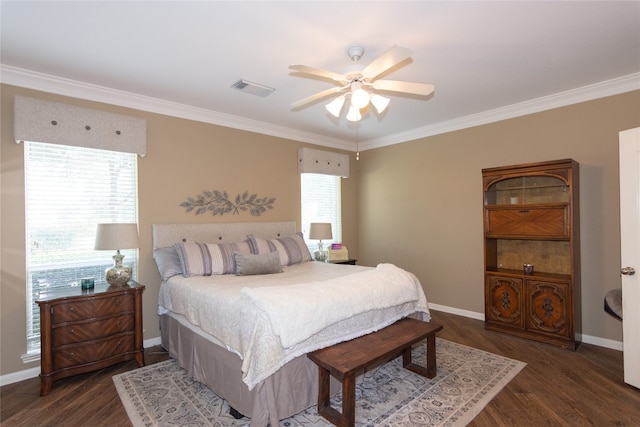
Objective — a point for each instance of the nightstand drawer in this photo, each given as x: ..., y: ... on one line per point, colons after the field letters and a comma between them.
x: 78, y: 354
x: 88, y: 331
x: 91, y: 308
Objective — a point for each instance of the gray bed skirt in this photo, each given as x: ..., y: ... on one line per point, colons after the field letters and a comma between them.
x: 289, y: 391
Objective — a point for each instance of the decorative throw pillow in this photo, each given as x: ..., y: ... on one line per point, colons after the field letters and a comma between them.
x: 292, y: 249
x: 206, y: 259
x: 168, y: 262
x: 249, y: 264
x: 195, y: 258
x: 222, y: 260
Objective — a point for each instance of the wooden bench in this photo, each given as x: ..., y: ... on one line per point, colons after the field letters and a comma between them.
x: 348, y: 359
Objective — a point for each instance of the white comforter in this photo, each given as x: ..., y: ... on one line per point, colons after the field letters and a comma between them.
x: 270, y: 319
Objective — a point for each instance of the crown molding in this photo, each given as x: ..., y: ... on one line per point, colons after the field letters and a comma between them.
x: 72, y: 88
x: 61, y: 86
x: 587, y: 93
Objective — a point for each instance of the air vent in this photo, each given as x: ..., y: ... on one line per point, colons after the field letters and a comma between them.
x: 253, y: 88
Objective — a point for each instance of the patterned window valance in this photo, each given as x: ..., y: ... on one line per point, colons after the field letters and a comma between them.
x: 36, y: 120
x: 323, y: 162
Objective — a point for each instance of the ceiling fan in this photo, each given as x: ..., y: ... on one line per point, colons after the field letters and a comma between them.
x: 361, y: 84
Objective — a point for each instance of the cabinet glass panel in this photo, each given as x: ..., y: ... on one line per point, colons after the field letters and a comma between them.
x: 527, y: 190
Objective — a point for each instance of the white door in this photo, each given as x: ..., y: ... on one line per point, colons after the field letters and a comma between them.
x: 630, y: 252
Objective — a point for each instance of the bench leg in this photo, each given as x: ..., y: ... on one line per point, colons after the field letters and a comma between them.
x: 348, y: 416
x: 431, y: 369
x: 349, y: 401
x: 324, y: 398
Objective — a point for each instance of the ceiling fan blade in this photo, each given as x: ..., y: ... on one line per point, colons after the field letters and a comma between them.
x: 317, y: 96
x: 319, y: 73
x: 387, y: 60
x: 422, y: 89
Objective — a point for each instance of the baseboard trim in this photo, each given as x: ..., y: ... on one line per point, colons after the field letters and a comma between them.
x: 27, y: 374
x: 458, y: 311
x: 600, y: 342
x: 587, y: 339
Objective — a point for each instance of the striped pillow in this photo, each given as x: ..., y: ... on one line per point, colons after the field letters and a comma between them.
x: 206, y: 259
x: 292, y: 249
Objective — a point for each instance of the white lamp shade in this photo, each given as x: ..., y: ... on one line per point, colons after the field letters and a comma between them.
x: 354, y: 114
x: 335, y: 106
x: 116, y: 236
x: 320, y: 231
x: 360, y: 98
x: 380, y: 103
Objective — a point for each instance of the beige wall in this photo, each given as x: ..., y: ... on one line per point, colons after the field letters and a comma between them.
x: 417, y: 204
x: 421, y: 202
x: 183, y: 159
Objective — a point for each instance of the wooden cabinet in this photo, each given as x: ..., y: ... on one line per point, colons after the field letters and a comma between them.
x: 531, y: 216
x: 85, y: 330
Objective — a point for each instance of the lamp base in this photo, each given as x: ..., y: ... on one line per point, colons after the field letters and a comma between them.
x: 321, y: 255
x: 119, y: 274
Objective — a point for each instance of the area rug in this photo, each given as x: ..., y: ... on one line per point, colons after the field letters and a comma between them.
x: 467, y: 379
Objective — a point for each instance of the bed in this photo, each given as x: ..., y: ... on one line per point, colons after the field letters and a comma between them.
x: 241, y: 305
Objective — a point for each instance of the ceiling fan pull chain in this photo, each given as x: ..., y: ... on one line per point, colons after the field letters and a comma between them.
x: 357, y: 142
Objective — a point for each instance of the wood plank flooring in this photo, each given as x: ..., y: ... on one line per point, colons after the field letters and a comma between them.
x: 556, y: 388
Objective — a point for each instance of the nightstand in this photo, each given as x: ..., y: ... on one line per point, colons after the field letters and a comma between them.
x: 86, y: 330
x: 344, y: 261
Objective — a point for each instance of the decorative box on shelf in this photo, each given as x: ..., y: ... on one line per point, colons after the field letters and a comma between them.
x: 337, y: 252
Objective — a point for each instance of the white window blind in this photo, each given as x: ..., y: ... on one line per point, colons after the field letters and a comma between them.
x: 321, y: 201
x: 68, y: 191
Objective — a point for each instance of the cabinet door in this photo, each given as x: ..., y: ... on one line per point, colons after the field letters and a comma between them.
x: 549, y: 306
x: 504, y: 296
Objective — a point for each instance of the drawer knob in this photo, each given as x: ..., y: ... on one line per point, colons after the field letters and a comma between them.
x: 119, y: 343
x: 72, y: 332
x: 71, y: 356
x: 118, y: 302
x: 72, y: 309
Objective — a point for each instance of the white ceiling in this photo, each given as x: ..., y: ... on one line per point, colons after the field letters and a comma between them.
x: 488, y: 60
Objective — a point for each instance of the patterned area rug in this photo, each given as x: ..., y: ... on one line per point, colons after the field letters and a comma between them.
x: 163, y: 395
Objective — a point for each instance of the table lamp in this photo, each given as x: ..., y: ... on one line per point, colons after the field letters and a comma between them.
x: 115, y: 237
x: 319, y: 231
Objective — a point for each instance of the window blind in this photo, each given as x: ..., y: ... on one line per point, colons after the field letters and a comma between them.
x: 321, y: 201
x: 68, y: 191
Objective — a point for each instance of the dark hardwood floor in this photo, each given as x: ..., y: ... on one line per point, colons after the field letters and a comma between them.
x: 556, y: 388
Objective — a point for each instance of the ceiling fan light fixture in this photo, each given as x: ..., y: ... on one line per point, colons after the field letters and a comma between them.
x: 335, y: 106
x: 360, y: 98
x: 354, y: 113
x: 379, y: 102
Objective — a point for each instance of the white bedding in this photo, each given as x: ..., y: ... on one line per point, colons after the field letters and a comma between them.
x: 244, y: 312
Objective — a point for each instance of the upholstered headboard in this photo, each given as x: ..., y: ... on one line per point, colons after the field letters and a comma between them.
x: 167, y: 234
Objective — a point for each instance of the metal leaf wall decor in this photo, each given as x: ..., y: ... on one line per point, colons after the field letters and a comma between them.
x: 218, y: 203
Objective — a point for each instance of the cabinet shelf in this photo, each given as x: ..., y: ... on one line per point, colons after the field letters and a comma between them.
x: 562, y: 187
x: 534, y: 275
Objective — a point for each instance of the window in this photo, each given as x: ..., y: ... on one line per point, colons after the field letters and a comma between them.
x: 68, y: 191
x: 321, y: 202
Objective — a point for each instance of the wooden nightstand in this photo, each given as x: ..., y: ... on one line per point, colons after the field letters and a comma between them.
x: 86, y: 330
x: 344, y: 261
